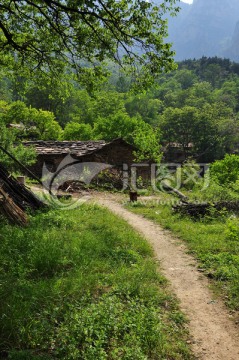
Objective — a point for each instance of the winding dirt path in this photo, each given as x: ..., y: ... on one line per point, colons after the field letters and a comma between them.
x: 214, y: 335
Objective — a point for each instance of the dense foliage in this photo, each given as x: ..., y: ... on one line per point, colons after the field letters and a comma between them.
x: 226, y: 171
x: 194, y: 108
x: 47, y: 35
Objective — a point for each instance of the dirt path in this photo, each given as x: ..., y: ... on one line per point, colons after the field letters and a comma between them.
x: 214, y: 335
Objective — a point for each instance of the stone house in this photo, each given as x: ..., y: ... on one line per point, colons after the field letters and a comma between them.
x: 117, y: 153
x: 176, y: 153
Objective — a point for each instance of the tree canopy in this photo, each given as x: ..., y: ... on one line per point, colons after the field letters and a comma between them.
x: 47, y: 34
x: 187, y: 108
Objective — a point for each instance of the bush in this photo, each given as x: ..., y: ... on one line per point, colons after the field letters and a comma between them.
x: 190, y: 174
x: 232, y: 229
x: 226, y: 171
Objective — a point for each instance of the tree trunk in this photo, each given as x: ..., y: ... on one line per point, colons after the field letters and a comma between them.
x: 202, y: 209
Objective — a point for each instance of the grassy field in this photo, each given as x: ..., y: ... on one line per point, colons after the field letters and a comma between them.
x: 81, y: 284
x: 214, y: 241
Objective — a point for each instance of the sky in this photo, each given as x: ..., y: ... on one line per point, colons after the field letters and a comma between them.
x: 187, y: 1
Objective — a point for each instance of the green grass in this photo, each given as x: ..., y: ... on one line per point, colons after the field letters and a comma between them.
x: 214, y: 241
x: 82, y: 284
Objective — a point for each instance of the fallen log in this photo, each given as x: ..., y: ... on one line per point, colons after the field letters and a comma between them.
x: 197, y: 210
x: 176, y: 192
x: 202, y: 209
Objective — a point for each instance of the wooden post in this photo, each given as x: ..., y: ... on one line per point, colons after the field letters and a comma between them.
x: 21, y: 179
x: 133, y: 196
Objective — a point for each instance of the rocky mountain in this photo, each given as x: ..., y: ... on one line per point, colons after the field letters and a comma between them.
x: 206, y: 28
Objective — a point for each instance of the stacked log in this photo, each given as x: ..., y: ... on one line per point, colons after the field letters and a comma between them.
x: 16, y: 199
x: 9, y: 209
x: 22, y: 196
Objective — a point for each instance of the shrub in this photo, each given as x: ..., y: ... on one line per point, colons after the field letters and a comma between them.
x: 190, y: 174
x: 226, y: 171
x: 232, y: 229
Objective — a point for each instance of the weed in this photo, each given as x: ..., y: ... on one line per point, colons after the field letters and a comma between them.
x: 83, y: 285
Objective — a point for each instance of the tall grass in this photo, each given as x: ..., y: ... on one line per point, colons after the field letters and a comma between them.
x: 83, y: 285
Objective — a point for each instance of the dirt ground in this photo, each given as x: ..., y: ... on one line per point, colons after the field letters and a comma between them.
x: 214, y: 334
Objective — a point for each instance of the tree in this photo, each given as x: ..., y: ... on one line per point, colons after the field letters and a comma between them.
x: 118, y: 125
x: 79, y: 107
x: 76, y: 131
x: 5, y: 87
x: 207, y: 132
x: 146, y: 140
x: 9, y: 141
x: 46, y: 34
x: 17, y: 112
x: 46, y: 125
x: 145, y: 106
x: 108, y: 103
x: 134, y: 130
x: 50, y: 94
x: 186, y: 78
x: 199, y: 94
x: 179, y: 125
x: 225, y: 171
x: 37, y: 124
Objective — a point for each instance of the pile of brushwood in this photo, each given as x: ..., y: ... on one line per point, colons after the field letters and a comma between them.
x: 197, y: 210
x: 109, y: 179
x: 15, y: 199
x: 201, y: 209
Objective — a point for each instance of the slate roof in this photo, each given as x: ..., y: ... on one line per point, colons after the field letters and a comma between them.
x: 76, y: 148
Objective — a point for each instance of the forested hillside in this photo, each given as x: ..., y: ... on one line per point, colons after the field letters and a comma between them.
x: 206, y: 28
x: 196, y: 104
